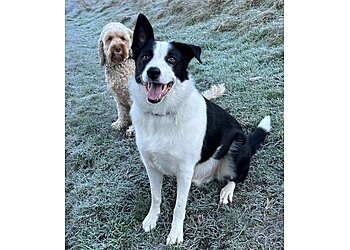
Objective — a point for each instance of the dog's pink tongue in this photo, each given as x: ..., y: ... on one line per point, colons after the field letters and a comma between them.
x: 154, y: 91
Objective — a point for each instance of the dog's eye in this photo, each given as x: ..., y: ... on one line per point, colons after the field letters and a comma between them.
x: 171, y: 60
x: 123, y: 38
x: 145, y: 57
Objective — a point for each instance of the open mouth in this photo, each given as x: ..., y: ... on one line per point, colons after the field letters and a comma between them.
x: 157, y: 91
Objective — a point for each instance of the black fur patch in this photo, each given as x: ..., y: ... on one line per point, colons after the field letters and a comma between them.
x: 143, y: 58
x: 256, y: 138
x: 241, y: 156
x: 143, y: 32
x: 183, y: 54
x: 221, y: 130
x: 225, y: 132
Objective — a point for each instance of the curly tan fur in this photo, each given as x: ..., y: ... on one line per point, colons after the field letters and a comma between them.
x: 114, y: 51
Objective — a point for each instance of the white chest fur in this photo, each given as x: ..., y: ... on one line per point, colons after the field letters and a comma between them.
x: 173, y: 141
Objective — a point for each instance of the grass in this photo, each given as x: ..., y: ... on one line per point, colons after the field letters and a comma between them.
x: 107, y: 189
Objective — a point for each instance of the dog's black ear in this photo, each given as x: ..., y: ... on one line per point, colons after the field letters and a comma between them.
x: 196, y: 52
x: 143, y: 32
x: 189, y: 51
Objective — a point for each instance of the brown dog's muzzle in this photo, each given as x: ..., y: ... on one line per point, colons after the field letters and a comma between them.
x: 118, y: 53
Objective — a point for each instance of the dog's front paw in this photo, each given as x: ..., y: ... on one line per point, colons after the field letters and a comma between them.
x: 226, y: 193
x: 150, y: 221
x: 175, y: 237
x: 119, y: 124
x: 130, y: 132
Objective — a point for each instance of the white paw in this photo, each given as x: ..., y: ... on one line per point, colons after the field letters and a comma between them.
x: 150, y: 221
x: 175, y: 237
x: 226, y: 193
x: 119, y: 124
x: 130, y: 132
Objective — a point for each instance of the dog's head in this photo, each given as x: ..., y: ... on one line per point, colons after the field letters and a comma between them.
x: 114, y: 44
x: 159, y: 65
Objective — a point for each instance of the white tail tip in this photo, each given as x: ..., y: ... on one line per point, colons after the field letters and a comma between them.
x: 214, y: 91
x: 265, y: 123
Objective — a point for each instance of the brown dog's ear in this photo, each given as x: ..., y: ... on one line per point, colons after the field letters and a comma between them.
x: 101, y: 52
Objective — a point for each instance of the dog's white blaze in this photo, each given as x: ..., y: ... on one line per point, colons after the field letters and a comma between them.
x: 160, y: 51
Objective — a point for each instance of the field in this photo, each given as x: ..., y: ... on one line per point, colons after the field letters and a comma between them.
x: 107, y: 189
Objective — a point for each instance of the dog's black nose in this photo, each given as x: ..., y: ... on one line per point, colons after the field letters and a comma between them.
x: 153, y: 73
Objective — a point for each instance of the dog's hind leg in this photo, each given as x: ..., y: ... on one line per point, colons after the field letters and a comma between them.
x: 236, y: 163
x: 156, y: 180
x: 226, y: 193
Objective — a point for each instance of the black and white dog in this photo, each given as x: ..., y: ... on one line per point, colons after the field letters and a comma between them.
x: 178, y: 131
